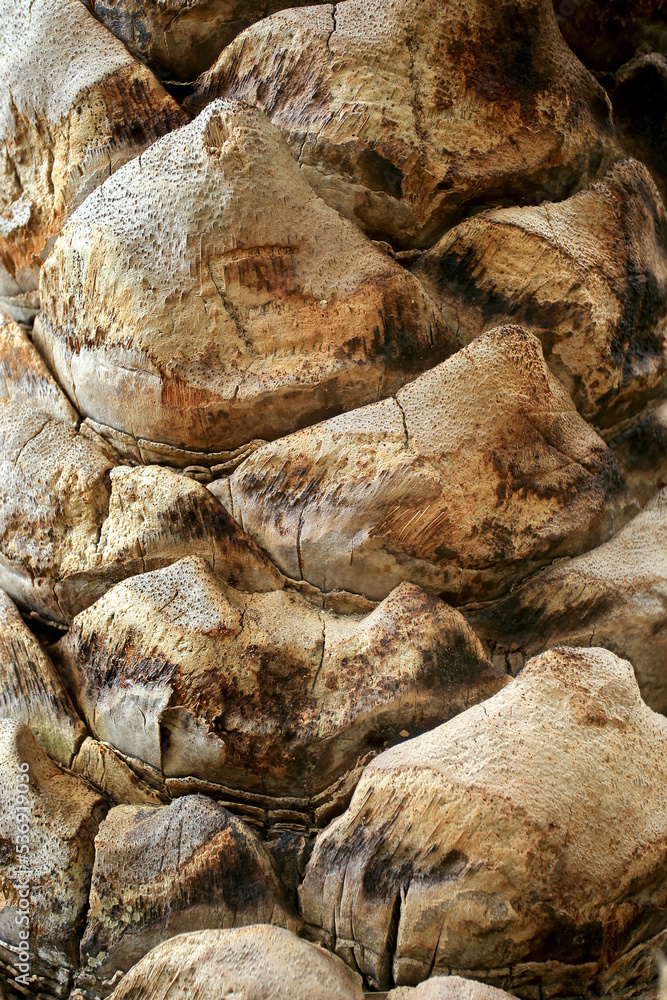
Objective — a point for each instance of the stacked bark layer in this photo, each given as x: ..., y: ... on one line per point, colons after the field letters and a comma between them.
x: 333, y: 472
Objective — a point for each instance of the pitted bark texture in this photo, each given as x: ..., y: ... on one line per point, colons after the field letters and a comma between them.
x: 24, y: 378
x: 614, y: 596
x: 252, y: 963
x: 74, y: 105
x: 179, y: 39
x: 61, y: 813
x: 448, y: 988
x: 73, y: 522
x: 204, y: 296
x: 588, y: 276
x: 522, y: 843
x: 163, y: 870
x: 469, y: 478
x: 407, y: 115
x: 265, y: 692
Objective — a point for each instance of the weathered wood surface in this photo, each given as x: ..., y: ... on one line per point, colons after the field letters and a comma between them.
x: 164, y: 870
x: 60, y: 817
x: 74, y: 105
x: 179, y: 39
x: 523, y: 842
x: 253, y: 963
x: 407, y: 115
x: 31, y: 690
x: 264, y: 692
x: 468, y: 479
x: 613, y: 596
x: 204, y: 296
x: 73, y: 521
x: 24, y: 377
x: 587, y: 275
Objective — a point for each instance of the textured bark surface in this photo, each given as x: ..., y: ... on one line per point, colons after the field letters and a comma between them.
x: 120, y: 779
x: 465, y: 481
x: 333, y: 485
x: 179, y: 39
x: 614, y: 596
x: 519, y: 843
x: 253, y: 963
x: 31, y: 690
x: 265, y: 693
x: 25, y: 379
x: 239, y: 307
x: 62, y: 133
x: 448, y: 988
x: 62, y: 813
x: 588, y: 276
x: 406, y: 115
x: 160, y: 870
x: 73, y: 522
x: 640, y: 446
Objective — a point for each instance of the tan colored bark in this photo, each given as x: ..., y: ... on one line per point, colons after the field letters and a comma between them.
x: 31, y: 691
x: 25, y: 379
x: 614, y: 596
x: 265, y: 693
x: 253, y: 963
x: 468, y: 479
x: 164, y: 870
x: 204, y: 296
x: 62, y: 814
x: 407, y: 115
x: 73, y: 522
x: 587, y: 275
x: 120, y: 780
x: 522, y: 843
x: 74, y: 105
x: 448, y: 988
x: 179, y: 39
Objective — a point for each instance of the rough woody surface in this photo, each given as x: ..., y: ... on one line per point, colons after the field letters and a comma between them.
x: 73, y: 521
x: 469, y: 478
x: 31, y: 690
x: 523, y: 842
x: 448, y: 988
x: 614, y: 596
x: 24, y: 378
x: 205, y: 296
x: 406, y: 115
x: 74, y: 105
x: 587, y: 275
x: 62, y: 813
x: 163, y: 870
x: 640, y: 446
x: 121, y: 779
x: 264, y: 692
x: 180, y: 39
x: 252, y: 963
x: 333, y: 499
